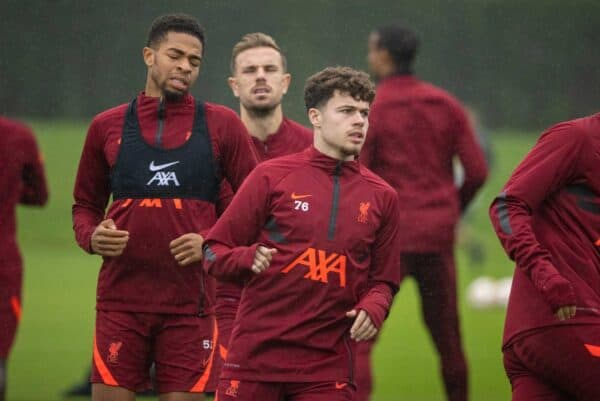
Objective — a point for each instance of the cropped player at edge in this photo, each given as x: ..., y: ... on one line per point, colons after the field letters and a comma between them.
x: 313, y: 237
x: 548, y: 221
x: 22, y: 181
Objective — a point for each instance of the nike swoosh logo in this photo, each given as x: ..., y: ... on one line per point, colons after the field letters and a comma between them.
x: 294, y: 196
x: 161, y: 166
x: 340, y: 386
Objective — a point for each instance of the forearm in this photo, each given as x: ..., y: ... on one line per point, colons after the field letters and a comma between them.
x: 229, y: 264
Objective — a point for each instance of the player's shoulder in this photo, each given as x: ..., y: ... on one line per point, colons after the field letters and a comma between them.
x: 110, y: 116
x: 286, y: 163
x: 297, y: 127
x: 15, y: 128
x: 578, y: 130
x: 435, y: 92
x: 16, y: 135
x: 378, y: 184
x: 216, y: 110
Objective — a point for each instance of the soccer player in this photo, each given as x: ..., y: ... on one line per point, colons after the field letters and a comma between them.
x: 259, y: 78
x: 416, y: 130
x: 312, y: 235
x: 548, y: 221
x: 162, y: 157
x: 22, y: 180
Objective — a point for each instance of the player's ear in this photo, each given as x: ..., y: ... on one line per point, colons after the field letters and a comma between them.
x: 287, y: 79
x: 234, y: 86
x: 148, y: 54
x: 315, y: 117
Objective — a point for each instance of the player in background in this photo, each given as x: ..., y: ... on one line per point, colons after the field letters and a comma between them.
x: 416, y: 129
x: 313, y: 236
x: 259, y: 79
x: 548, y: 220
x: 161, y: 157
x: 22, y: 181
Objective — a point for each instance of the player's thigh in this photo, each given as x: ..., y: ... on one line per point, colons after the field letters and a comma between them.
x: 567, y: 357
x: 526, y: 385
x: 184, y: 353
x: 320, y: 391
x: 181, y: 397
x: 121, y: 355
x: 239, y: 390
x: 10, y: 314
x: 102, y: 392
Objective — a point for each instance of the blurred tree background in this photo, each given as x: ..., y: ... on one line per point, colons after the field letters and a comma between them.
x: 521, y: 64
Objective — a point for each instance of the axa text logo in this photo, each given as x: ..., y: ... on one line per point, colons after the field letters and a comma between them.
x: 163, y: 178
x: 320, y: 265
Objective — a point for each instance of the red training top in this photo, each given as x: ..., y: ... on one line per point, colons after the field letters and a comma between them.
x: 335, y: 227
x: 548, y: 221
x: 22, y: 180
x: 146, y: 277
x: 415, y: 131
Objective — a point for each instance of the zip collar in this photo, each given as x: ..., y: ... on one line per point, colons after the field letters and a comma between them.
x: 331, y: 165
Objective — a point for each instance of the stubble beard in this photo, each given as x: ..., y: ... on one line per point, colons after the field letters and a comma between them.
x: 260, y: 112
x: 173, y: 96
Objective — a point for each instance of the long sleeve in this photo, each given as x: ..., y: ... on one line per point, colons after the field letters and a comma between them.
x: 92, y: 187
x: 471, y: 155
x: 553, y: 163
x: 231, y: 243
x: 35, y: 187
x: 384, y: 273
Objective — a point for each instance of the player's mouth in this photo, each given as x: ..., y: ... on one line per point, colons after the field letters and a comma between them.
x: 261, y: 90
x: 178, y: 83
x: 356, y: 137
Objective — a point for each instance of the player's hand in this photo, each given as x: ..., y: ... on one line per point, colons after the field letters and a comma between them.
x: 187, y: 248
x: 107, y: 240
x: 262, y: 259
x: 560, y: 295
x: 363, y: 328
x: 565, y: 312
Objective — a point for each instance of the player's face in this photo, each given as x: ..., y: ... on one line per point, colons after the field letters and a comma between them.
x: 259, y: 80
x: 173, y: 66
x: 375, y: 55
x: 341, y: 126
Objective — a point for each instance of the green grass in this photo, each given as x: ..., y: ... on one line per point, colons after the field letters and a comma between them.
x: 53, y: 347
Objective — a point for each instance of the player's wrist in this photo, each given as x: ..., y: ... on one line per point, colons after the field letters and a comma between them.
x: 558, y: 292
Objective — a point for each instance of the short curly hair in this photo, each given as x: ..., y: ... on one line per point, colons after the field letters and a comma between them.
x: 320, y: 87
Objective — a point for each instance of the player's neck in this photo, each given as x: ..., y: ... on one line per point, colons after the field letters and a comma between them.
x: 261, y: 126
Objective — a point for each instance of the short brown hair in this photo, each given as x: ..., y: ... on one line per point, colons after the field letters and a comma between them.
x: 320, y: 87
x: 254, y: 40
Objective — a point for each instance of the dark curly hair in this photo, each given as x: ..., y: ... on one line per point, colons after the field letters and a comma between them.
x: 181, y: 23
x: 320, y: 87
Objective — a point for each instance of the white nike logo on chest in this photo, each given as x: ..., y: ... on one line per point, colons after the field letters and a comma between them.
x: 161, y: 166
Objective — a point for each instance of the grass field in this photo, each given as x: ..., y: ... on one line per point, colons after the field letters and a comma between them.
x: 53, y: 347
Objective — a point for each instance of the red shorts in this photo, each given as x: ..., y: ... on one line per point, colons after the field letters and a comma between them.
x: 10, y: 313
x: 181, y: 346
x: 235, y: 390
x: 558, y: 363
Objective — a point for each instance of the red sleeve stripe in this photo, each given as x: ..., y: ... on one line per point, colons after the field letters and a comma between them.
x: 16, y: 307
x: 201, y: 383
x: 107, y: 377
x: 594, y: 350
x: 223, y: 352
